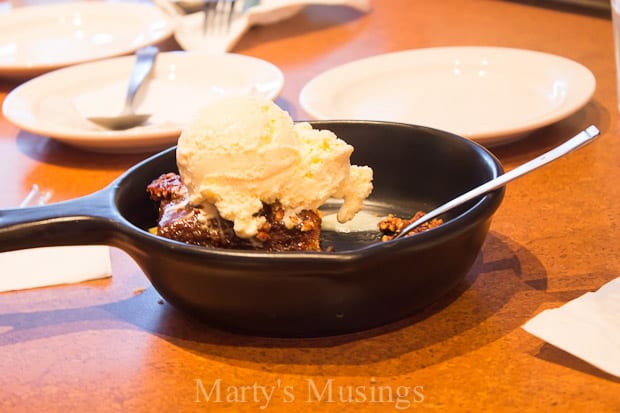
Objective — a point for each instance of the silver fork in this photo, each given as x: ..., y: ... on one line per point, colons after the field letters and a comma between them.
x: 218, y: 15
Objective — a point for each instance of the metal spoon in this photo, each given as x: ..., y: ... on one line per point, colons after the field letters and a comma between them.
x: 145, y: 58
x: 575, y: 142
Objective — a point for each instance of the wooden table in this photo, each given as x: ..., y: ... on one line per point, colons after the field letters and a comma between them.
x: 109, y: 346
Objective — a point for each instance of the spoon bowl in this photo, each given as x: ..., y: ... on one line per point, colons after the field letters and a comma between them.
x: 145, y: 59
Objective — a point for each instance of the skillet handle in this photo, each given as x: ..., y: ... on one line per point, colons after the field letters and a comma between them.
x: 85, y: 220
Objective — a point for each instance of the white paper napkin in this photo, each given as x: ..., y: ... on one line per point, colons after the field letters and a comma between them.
x: 587, y: 327
x: 41, y: 267
x: 189, y: 28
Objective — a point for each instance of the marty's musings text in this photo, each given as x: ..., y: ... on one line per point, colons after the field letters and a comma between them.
x: 312, y: 390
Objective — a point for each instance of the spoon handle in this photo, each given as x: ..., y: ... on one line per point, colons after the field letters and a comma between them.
x: 145, y: 58
x: 575, y: 142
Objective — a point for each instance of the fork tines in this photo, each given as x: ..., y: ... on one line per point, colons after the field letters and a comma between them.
x: 218, y: 15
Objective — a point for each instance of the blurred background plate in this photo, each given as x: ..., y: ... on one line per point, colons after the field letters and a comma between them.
x: 40, y: 38
x: 55, y: 104
x: 489, y: 94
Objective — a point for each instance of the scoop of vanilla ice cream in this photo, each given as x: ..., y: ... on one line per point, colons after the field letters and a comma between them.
x: 325, y: 172
x: 242, y: 151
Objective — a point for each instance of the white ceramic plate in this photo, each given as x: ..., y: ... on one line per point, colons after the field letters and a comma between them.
x: 36, y: 39
x: 491, y: 95
x: 55, y: 104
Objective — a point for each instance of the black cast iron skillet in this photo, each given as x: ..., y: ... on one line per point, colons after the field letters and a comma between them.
x: 363, y: 284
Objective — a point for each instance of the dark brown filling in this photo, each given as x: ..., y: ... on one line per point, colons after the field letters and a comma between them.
x: 182, y: 222
x: 391, y: 226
